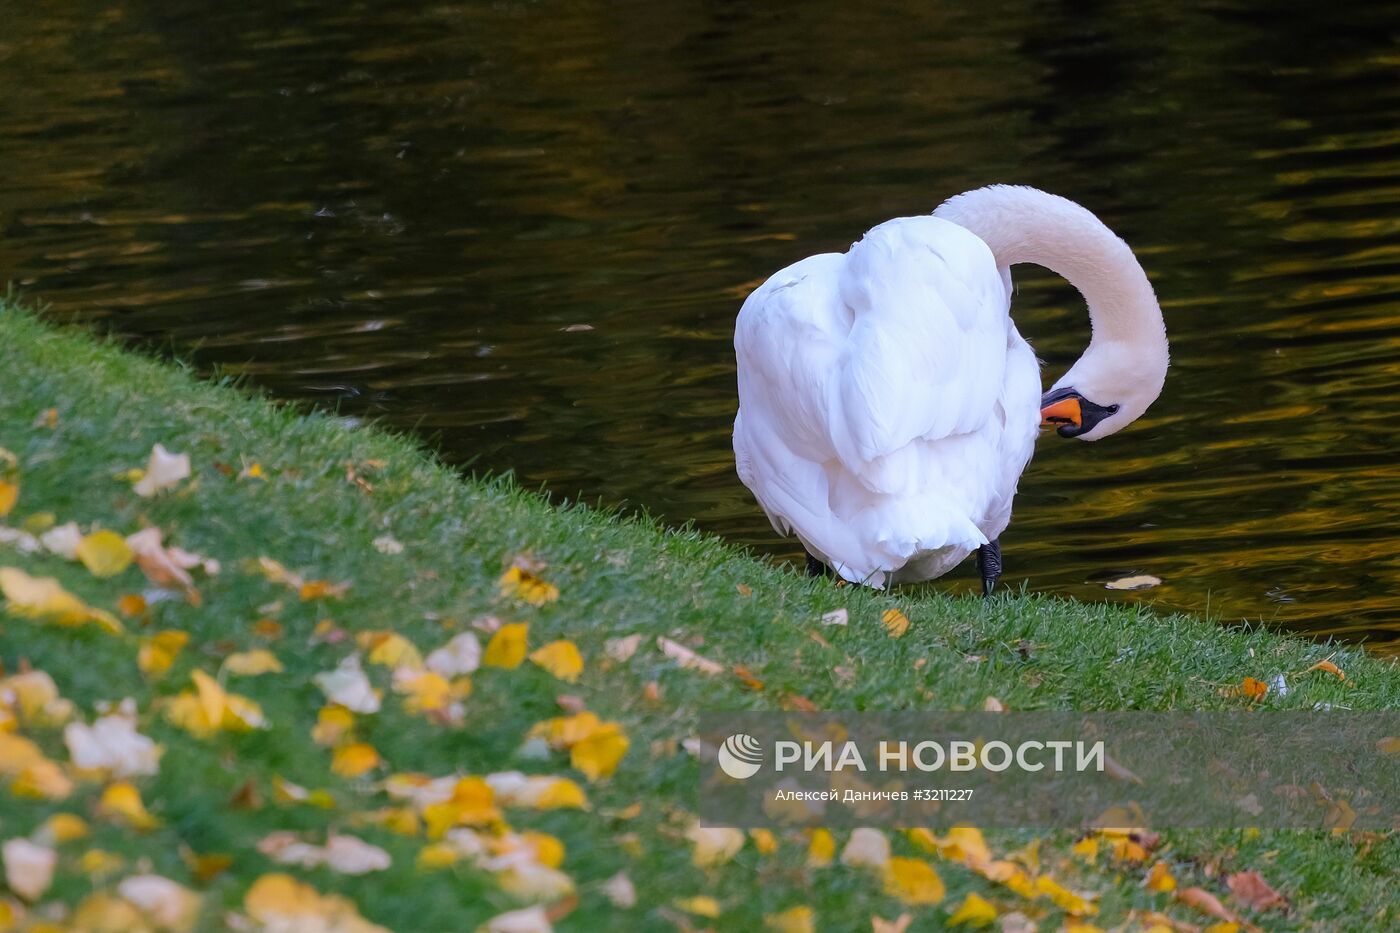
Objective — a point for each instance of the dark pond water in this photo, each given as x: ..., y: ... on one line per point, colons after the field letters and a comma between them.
x: 524, y: 230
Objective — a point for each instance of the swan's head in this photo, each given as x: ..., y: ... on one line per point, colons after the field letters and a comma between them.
x: 1109, y: 388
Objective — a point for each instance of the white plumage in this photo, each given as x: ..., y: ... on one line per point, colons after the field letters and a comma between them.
x: 887, y: 403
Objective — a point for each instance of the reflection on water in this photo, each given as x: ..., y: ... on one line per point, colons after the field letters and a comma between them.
x: 524, y: 230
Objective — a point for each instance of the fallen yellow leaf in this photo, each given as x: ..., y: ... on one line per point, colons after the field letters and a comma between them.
x: 913, y: 881
x: 507, y: 646
x: 210, y: 709
x: 61, y: 828
x: 1063, y: 897
x: 821, y: 850
x: 121, y: 803
x: 561, y: 658
x: 764, y: 841
x: 9, y: 481
x: 280, y: 902
x: 520, y: 582
x: 355, y: 759
x: 701, y: 906
x: 800, y: 919
x: 157, y: 652
x: 1159, y: 879
x: 599, y: 753
x: 42, y: 598
x: 896, y: 623
x: 252, y: 663
x: 391, y: 649
x: 333, y: 723
x: 104, y: 553
x: 975, y: 911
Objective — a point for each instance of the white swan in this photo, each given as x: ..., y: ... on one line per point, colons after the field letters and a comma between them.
x: 887, y: 405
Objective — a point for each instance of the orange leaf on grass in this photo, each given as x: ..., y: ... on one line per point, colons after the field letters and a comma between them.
x: 1327, y: 667
x: 1251, y: 888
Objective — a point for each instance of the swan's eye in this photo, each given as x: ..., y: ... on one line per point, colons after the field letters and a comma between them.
x: 1071, y: 413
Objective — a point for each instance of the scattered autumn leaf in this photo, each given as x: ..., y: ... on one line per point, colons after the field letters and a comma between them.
x: 975, y: 911
x: 866, y: 848
x: 9, y: 481
x: 800, y: 919
x: 701, y: 906
x: 157, y: 652
x: 322, y: 589
x: 121, y: 803
x: 1206, y: 903
x: 1138, y: 582
x: 280, y: 902
x: 713, y: 846
x: 355, y: 759
x: 1159, y: 878
x: 913, y: 881
x: 43, y: 599
x: 622, y: 649
x: 1327, y: 667
x: 1250, y: 888
x: 112, y: 747
x: 896, y: 623
x: 561, y: 658
x: 686, y: 658
x: 28, y: 867
x: 348, y: 686
x: 104, y: 553
x: 163, y: 470
x: 507, y: 646
x: 521, y: 581
x: 252, y: 663
x: 209, y: 709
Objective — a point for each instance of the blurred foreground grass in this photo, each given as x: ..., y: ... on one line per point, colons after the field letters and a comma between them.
x: 335, y: 544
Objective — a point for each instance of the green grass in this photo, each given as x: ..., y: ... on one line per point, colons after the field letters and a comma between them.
x: 616, y: 577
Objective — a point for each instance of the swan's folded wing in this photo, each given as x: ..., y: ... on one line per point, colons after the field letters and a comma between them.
x: 926, y: 353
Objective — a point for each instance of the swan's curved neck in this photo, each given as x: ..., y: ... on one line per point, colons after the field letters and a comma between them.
x: 1027, y: 225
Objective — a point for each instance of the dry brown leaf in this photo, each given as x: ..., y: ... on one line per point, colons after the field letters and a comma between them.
x: 1209, y: 904
x: 747, y: 678
x: 799, y: 703
x: 1118, y: 772
x: 686, y: 658
x: 1251, y: 888
x: 897, y: 925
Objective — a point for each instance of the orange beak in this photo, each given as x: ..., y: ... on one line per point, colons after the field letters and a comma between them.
x: 1065, y: 411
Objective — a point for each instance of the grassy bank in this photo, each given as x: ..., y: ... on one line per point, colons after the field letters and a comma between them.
x: 330, y: 540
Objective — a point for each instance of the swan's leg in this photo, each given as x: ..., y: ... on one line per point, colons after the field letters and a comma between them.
x: 816, y: 568
x: 989, y: 564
